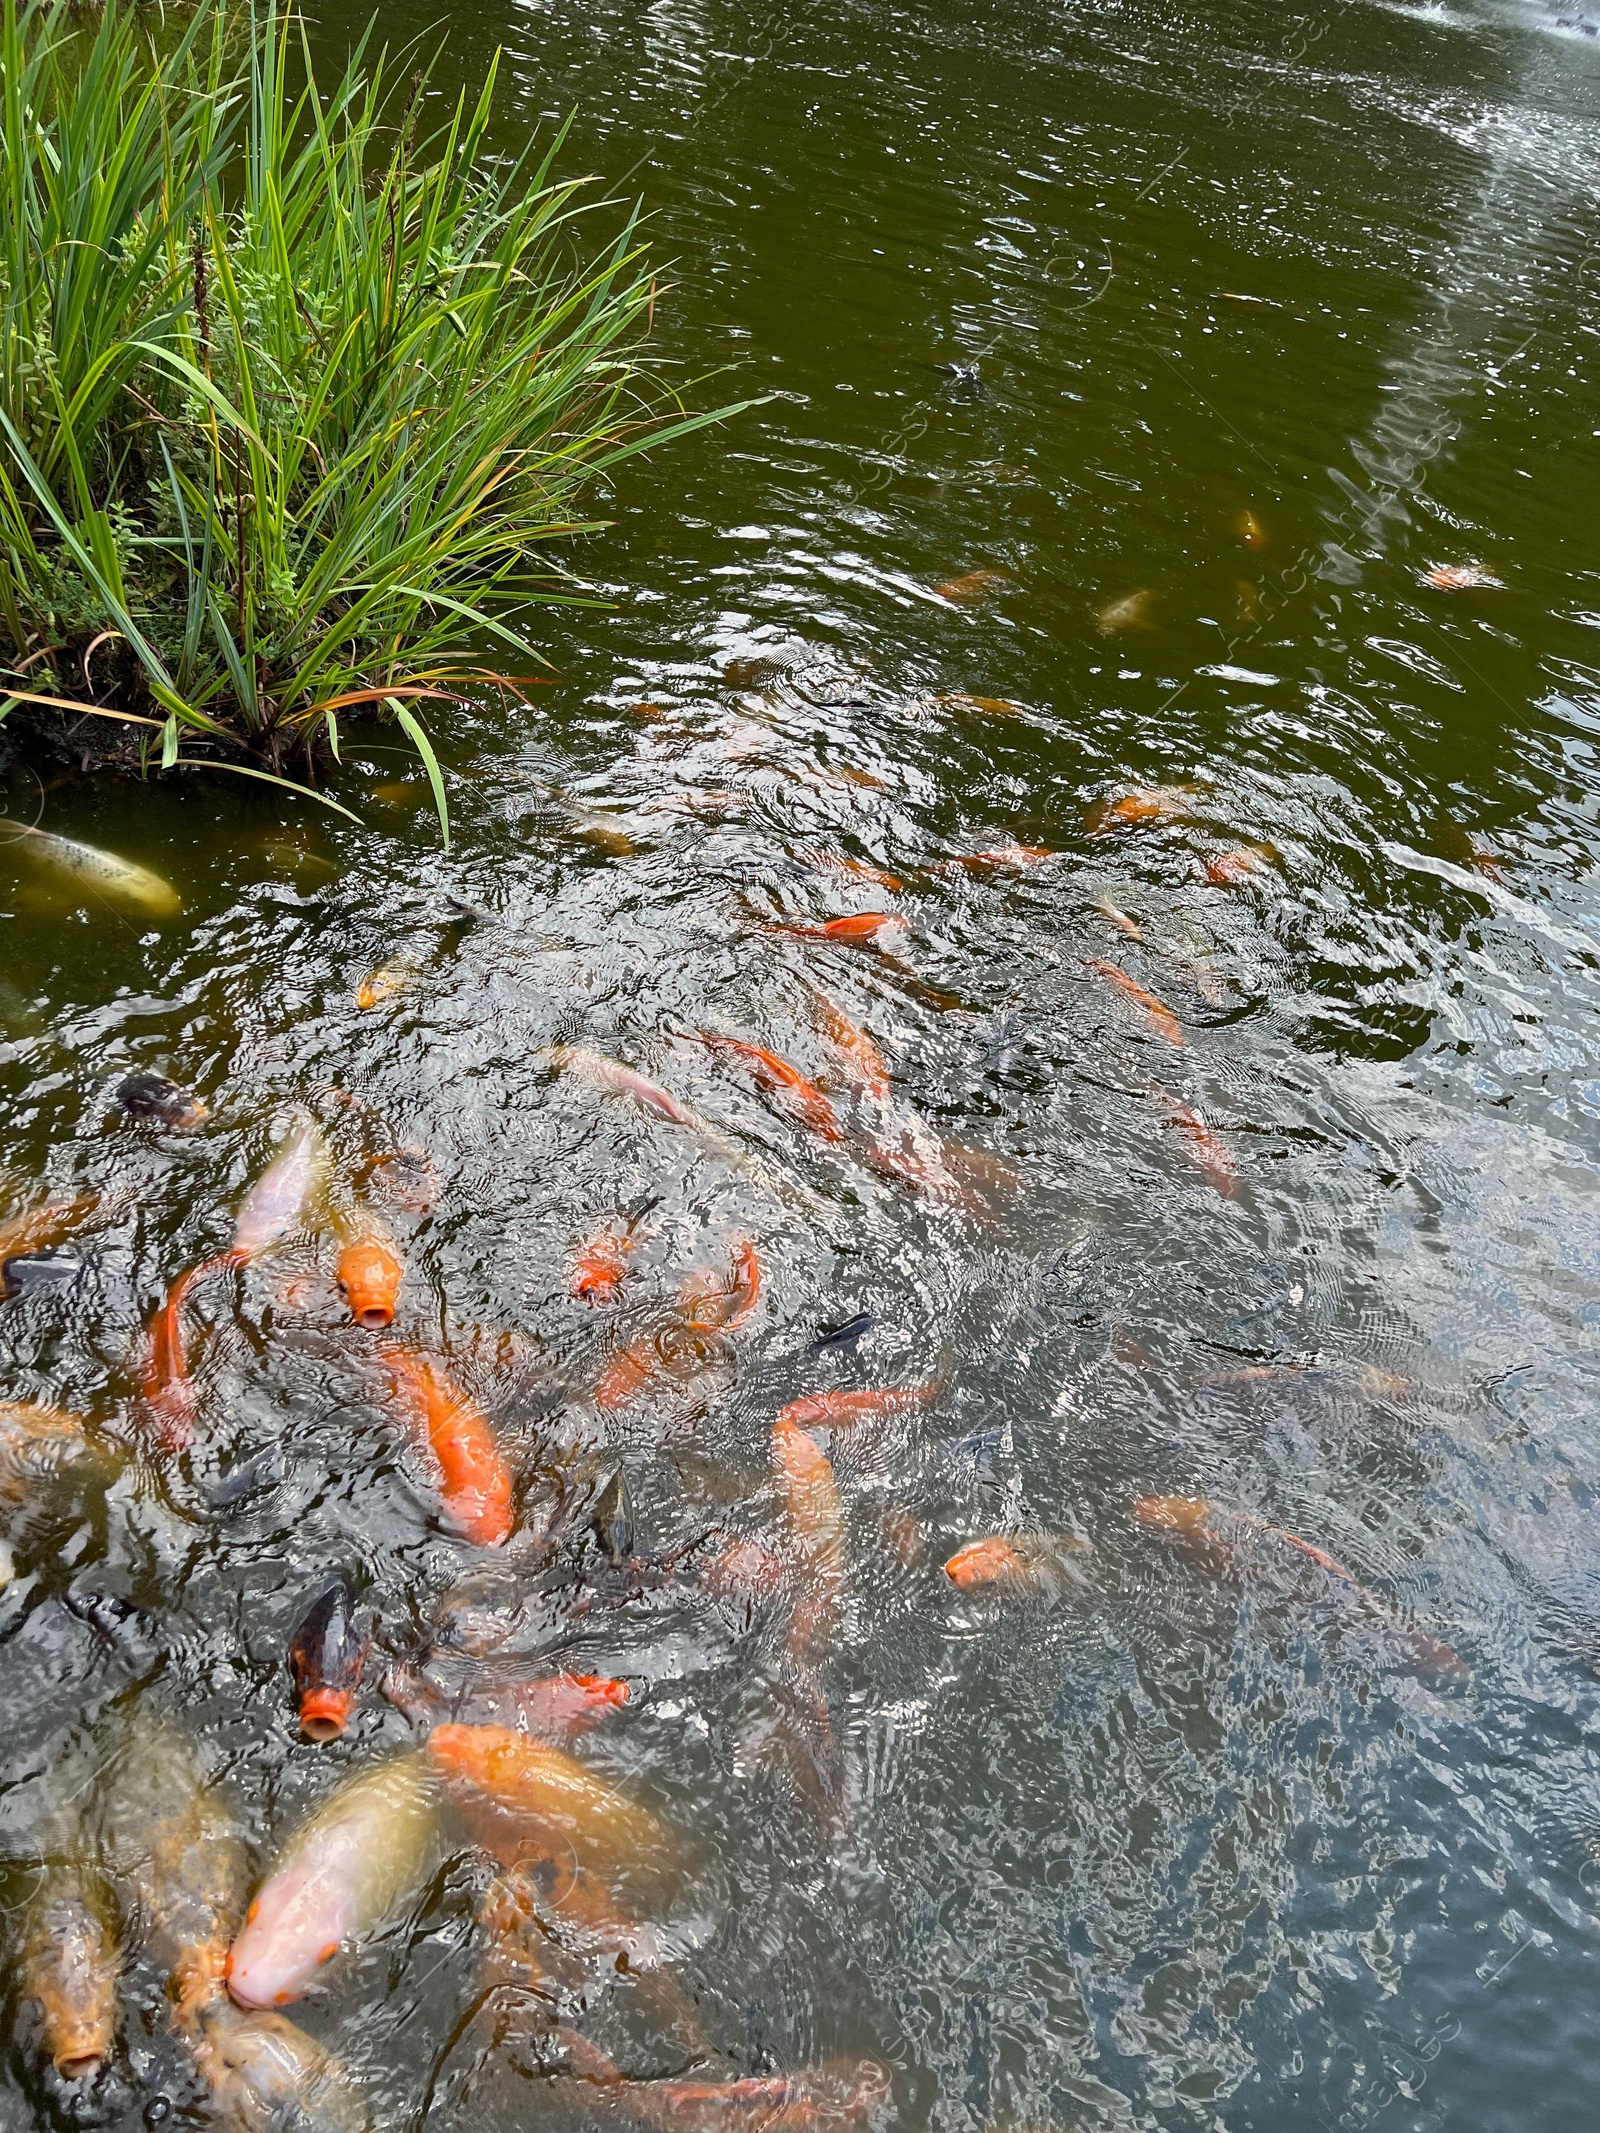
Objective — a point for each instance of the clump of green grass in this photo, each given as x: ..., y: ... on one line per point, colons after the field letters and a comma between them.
x: 293, y: 388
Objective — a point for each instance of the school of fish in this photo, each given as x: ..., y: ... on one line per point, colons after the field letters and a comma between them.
x: 147, y: 1859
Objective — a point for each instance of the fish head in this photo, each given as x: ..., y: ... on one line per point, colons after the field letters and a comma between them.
x: 325, y: 1713
x: 162, y: 1101
x: 369, y: 1275
x: 984, y: 1562
x: 298, y: 1922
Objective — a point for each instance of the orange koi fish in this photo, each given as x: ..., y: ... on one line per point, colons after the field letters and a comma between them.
x: 602, y: 1262
x: 854, y: 1050
x: 802, y: 1099
x: 1031, y: 1565
x: 1462, y: 577
x: 853, y: 931
x: 1132, y: 810
x: 830, y: 2098
x: 995, y: 706
x: 720, y: 1303
x: 813, y: 2100
x: 1248, y: 529
x: 810, y: 1493
x: 1237, y: 869
x: 474, y: 1481
x: 843, y: 863
x: 168, y: 1389
x: 1161, y: 1018
x: 1226, y: 1532
x: 1208, y: 1151
x: 974, y: 585
x: 370, y: 1268
x: 840, y: 1409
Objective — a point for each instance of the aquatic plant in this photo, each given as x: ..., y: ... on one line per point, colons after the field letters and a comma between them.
x: 296, y: 388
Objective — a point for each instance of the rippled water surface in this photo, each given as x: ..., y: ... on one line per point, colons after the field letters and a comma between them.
x: 1177, y: 346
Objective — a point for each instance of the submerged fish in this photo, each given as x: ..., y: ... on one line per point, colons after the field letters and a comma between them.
x: 1000, y: 856
x: 525, y: 1799
x: 1462, y: 577
x: 1226, y: 1532
x: 68, y: 1968
x: 178, y: 1857
x: 601, y: 1263
x: 855, y: 1052
x: 548, y: 1707
x: 993, y: 706
x: 744, y: 1570
x: 266, y: 2076
x: 276, y: 1203
x: 1119, y: 918
x: 102, y: 874
x: 327, y: 1651
x: 474, y: 1481
x: 1248, y: 529
x: 838, y: 1410
x: 1160, y: 1017
x: 152, y: 1097
x: 1022, y: 1565
x: 406, y: 1178
x: 801, y: 1098
x: 838, y: 2094
x: 270, y: 1209
x: 810, y: 1494
x: 841, y: 1336
x: 659, y: 1102
x: 707, y: 1307
x: 362, y: 1857
x: 36, y: 1442
x: 612, y: 1519
x: 386, y: 980
x: 1207, y: 1150
x: 1131, y: 810
x: 370, y: 1268
x: 1134, y: 611
x: 843, y: 863
x: 975, y: 585
x: 1238, y: 868
x: 36, y: 1229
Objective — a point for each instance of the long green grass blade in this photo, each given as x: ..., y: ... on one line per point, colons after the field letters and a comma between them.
x: 412, y: 726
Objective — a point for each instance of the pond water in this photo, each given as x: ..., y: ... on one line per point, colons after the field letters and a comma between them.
x: 1128, y: 372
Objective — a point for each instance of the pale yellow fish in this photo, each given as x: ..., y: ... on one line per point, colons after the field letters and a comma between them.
x: 1134, y: 611
x: 102, y: 875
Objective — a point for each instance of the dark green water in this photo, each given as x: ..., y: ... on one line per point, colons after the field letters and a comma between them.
x: 1055, y: 295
